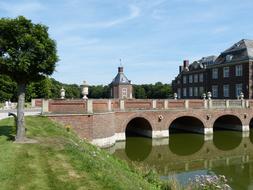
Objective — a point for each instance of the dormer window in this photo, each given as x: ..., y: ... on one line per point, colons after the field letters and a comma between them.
x: 229, y: 57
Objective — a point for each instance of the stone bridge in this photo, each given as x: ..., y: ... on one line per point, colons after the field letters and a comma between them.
x: 105, y: 121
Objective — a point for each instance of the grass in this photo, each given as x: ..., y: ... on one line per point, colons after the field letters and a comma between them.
x: 60, y: 160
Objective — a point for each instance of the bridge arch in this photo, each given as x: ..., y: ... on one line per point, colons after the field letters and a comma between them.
x: 186, y: 123
x: 138, y: 125
x: 228, y: 122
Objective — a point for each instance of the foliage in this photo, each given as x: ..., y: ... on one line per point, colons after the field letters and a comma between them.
x: 60, y: 160
x: 8, y: 89
x: 156, y: 91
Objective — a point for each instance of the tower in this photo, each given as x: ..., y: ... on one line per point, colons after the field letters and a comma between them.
x: 121, y: 87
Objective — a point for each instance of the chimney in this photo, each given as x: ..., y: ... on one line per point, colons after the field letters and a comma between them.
x: 186, y: 63
x: 180, y: 68
x: 120, y: 69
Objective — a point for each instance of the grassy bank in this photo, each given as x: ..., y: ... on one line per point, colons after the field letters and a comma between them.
x: 60, y: 160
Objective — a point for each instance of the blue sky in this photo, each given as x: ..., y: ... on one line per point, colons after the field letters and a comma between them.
x: 152, y: 37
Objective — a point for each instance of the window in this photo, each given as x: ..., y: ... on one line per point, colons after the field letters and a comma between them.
x: 215, y: 91
x: 178, y: 81
x: 215, y: 73
x: 201, y: 77
x: 196, y: 78
x: 184, y: 92
x: 225, y: 72
x: 190, y: 78
x: 201, y: 90
x: 196, y: 92
x: 190, y: 92
x: 184, y: 79
x: 179, y: 92
x: 238, y: 89
x: 124, y: 92
x: 226, y: 90
x: 238, y: 70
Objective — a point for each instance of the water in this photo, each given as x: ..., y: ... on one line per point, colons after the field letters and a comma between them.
x: 185, y: 155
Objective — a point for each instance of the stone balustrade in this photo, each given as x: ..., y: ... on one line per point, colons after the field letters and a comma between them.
x: 109, y: 105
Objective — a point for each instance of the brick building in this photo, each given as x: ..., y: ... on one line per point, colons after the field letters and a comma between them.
x: 121, y: 87
x: 225, y: 76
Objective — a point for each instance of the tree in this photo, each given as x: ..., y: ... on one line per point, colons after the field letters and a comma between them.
x: 27, y: 54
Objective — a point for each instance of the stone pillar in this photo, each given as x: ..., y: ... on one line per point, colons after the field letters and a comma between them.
x: 210, y: 104
x: 109, y: 103
x: 89, y: 106
x: 243, y: 103
x: 205, y: 104
x: 227, y: 103
x: 165, y: 104
x: 186, y: 104
x: 45, y: 106
x: 245, y: 128
x: 153, y: 104
x: 208, y: 134
x: 247, y: 103
x: 33, y: 103
x: 122, y: 104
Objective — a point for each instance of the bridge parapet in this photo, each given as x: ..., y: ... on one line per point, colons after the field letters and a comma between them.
x: 108, y: 105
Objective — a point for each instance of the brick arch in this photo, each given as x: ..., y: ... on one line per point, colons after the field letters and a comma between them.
x: 137, y: 115
x: 178, y: 115
x: 227, y: 114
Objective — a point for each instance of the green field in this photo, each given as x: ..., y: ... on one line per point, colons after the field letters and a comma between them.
x: 60, y: 160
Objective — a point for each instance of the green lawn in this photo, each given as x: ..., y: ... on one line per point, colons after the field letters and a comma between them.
x: 60, y: 160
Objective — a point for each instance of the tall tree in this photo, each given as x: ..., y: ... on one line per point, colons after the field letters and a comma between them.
x: 27, y: 54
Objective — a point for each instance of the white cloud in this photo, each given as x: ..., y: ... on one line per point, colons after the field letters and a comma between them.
x: 15, y: 9
x: 221, y: 29
x: 134, y: 12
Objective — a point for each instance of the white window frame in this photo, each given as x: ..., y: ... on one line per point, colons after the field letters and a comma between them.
x: 215, y: 73
x: 184, y: 79
x: 201, y: 77
x: 190, y: 79
x: 226, y: 90
x: 184, y: 92
x: 238, y: 70
x: 201, y: 90
x: 196, y: 78
x: 238, y: 89
x: 215, y: 91
x: 196, y: 91
x: 190, y: 92
x: 225, y: 72
x: 124, y: 92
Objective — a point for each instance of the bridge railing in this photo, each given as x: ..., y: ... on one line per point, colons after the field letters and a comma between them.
x: 107, y: 105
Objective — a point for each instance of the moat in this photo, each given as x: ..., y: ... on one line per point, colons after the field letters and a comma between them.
x: 185, y: 155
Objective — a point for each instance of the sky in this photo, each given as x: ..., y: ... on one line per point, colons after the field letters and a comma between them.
x: 151, y: 37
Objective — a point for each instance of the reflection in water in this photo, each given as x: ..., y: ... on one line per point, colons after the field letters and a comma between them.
x: 138, y: 148
x: 227, y: 140
x: 188, y: 154
x: 185, y: 144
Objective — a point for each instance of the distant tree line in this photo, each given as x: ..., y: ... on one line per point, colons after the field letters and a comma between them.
x: 50, y: 88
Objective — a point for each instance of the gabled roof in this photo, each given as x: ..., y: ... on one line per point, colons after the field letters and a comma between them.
x: 242, y: 45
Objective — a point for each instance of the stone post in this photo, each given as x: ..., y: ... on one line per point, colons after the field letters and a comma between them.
x: 153, y: 104
x: 109, y: 103
x: 227, y: 103
x: 33, y: 103
x: 122, y: 104
x: 210, y: 104
x: 89, y: 106
x: 205, y: 104
x: 165, y: 104
x: 247, y: 103
x: 186, y: 104
x: 243, y: 103
x: 45, y: 106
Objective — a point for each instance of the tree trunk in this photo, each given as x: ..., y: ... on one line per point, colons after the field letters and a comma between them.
x: 20, y: 136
